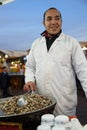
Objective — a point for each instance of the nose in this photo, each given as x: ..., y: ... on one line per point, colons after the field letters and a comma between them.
x: 53, y: 21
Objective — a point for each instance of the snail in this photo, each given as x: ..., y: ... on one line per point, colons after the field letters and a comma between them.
x: 34, y: 102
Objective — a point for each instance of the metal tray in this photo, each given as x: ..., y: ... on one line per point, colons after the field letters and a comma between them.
x: 28, y: 116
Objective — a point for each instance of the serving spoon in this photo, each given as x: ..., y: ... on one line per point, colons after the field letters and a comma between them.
x: 22, y: 101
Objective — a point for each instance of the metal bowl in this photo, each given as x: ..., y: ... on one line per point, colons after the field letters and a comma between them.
x: 28, y: 116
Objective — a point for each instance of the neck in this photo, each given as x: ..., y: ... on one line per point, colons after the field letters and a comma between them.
x: 52, y: 35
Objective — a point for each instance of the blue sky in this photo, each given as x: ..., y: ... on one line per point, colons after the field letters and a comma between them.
x: 21, y: 21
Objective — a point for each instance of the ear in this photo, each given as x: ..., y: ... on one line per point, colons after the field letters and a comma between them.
x: 44, y: 23
x: 61, y: 20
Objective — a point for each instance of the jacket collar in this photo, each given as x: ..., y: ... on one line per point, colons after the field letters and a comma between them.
x: 45, y: 33
x: 61, y: 36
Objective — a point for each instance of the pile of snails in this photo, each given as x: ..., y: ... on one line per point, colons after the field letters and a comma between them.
x: 35, y: 102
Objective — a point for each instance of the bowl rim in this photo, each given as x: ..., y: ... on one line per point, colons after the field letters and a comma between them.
x: 29, y: 113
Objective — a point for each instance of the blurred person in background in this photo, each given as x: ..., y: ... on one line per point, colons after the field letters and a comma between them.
x: 53, y: 63
x: 4, y: 81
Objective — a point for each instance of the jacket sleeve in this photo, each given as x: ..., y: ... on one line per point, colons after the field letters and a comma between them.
x: 80, y: 65
x: 30, y: 67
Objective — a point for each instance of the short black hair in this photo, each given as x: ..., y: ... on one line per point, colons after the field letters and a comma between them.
x: 51, y: 9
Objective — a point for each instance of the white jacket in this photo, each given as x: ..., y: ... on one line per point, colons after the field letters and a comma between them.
x: 54, y: 71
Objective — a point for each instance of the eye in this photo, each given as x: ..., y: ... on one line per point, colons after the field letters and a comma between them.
x: 49, y: 18
x: 57, y: 18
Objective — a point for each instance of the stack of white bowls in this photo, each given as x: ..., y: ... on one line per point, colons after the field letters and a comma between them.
x: 43, y: 127
x: 47, y: 122
x: 58, y: 128
x: 48, y: 119
x: 60, y: 122
x: 50, y: 122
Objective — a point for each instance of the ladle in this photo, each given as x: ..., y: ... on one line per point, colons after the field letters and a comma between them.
x: 22, y: 101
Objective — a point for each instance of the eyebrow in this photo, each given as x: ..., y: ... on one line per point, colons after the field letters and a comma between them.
x: 55, y: 16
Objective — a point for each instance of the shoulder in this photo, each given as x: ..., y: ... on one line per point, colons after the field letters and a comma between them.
x: 70, y: 40
x: 69, y: 37
x: 38, y: 41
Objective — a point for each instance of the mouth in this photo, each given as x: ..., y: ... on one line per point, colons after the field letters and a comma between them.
x: 53, y: 27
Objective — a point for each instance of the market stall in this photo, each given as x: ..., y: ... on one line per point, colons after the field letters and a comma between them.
x: 15, y: 62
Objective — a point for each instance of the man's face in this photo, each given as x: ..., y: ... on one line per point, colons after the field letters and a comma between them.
x: 52, y: 22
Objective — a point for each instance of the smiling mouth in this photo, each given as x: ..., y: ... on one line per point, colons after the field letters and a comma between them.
x: 54, y: 27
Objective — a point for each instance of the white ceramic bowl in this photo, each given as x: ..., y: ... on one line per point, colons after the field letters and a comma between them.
x: 47, y: 119
x: 43, y: 127
x: 61, y: 120
x: 58, y: 128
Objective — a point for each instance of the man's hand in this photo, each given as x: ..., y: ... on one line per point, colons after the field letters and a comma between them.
x: 29, y: 86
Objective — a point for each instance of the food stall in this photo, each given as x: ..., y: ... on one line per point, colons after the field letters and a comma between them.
x: 15, y: 61
x: 16, y: 74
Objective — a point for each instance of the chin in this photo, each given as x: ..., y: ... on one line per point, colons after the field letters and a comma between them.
x: 52, y: 34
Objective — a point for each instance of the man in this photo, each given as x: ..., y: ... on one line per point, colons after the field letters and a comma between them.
x: 54, y: 60
x: 4, y: 81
